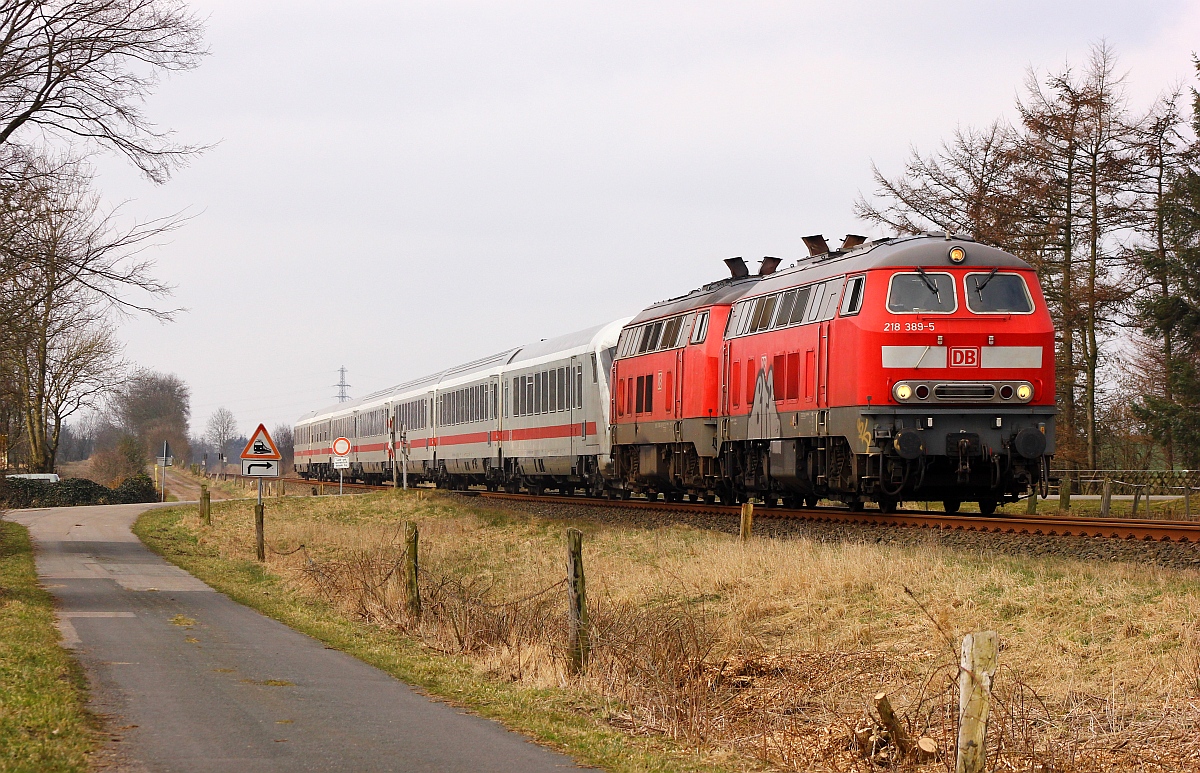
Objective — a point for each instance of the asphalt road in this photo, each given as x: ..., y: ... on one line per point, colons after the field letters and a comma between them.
x: 188, y: 680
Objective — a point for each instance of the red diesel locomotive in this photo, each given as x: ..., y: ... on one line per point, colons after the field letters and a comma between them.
x: 910, y: 368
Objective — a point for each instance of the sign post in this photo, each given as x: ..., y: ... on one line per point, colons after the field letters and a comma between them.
x: 341, y: 458
x: 164, y: 461
x: 260, y: 459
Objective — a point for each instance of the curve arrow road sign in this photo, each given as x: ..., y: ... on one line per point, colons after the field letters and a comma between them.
x: 260, y: 468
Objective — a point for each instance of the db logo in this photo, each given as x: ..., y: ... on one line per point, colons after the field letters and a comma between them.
x: 964, y: 357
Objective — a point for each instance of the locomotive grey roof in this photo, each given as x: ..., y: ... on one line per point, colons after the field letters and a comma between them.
x: 714, y: 293
x: 929, y: 250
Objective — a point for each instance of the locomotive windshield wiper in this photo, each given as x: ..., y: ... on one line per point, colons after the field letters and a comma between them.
x: 980, y: 285
x: 929, y: 283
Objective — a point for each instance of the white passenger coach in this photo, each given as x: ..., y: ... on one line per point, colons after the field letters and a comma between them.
x: 533, y: 417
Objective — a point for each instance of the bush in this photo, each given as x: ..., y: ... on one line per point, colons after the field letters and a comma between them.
x: 71, y: 492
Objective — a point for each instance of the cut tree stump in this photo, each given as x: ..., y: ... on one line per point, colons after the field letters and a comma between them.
x: 889, y: 720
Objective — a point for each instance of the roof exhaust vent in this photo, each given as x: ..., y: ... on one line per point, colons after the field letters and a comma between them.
x: 768, y: 265
x: 737, y: 267
x: 816, y: 245
x: 851, y: 241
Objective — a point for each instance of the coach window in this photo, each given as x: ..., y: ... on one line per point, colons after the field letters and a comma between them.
x: 994, y: 293
x: 650, y: 393
x: 921, y: 291
x: 700, y: 330
x: 578, y: 386
x: 640, y: 404
x: 852, y: 302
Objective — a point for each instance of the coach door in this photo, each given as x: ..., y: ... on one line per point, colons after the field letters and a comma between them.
x: 493, y: 418
x: 577, y: 417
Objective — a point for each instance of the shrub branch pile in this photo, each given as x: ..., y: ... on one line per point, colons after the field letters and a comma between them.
x: 19, y: 493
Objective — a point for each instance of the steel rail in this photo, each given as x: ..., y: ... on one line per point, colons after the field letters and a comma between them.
x: 1141, y: 529
x: 1048, y: 526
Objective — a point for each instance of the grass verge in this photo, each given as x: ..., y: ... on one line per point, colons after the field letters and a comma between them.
x: 758, y: 654
x: 44, y: 725
x: 571, y: 721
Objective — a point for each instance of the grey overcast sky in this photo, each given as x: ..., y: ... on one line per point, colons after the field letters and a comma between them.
x: 398, y: 187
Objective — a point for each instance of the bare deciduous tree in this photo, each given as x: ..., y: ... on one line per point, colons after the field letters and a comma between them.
x: 81, y: 68
x: 154, y: 407
x: 221, y: 428
x: 285, y: 442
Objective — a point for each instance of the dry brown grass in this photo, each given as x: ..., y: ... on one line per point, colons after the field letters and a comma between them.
x: 770, y: 649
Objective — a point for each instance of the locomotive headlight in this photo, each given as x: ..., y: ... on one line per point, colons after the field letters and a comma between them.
x: 1024, y: 392
x: 957, y: 255
x: 903, y: 391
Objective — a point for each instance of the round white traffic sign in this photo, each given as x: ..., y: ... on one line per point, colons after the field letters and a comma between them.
x: 341, y: 447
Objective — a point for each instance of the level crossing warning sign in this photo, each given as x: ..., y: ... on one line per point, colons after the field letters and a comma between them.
x: 261, y: 457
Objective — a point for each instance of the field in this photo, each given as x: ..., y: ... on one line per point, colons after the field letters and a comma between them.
x: 43, y: 723
x: 713, y: 654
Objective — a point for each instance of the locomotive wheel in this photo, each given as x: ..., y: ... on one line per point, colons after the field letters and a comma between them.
x: 987, y: 506
x: 810, y: 501
x: 626, y: 493
x: 709, y: 498
x: 856, y: 507
x: 536, y: 490
x: 951, y: 505
x: 887, y: 505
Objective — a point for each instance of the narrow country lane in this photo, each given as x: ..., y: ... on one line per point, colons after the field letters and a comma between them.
x: 188, y: 680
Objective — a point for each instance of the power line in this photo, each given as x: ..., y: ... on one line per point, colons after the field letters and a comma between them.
x: 342, y: 386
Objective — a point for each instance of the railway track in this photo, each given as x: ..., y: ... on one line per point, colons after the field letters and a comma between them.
x: 1048, y: 526
x: 1037, y: 525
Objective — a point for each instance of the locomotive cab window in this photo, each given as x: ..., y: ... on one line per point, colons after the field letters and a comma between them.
x: 995, y: 293
x: 852, y: 302
x: 921, y: 292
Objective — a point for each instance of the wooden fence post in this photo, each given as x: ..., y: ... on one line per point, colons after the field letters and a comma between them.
x: 1031, y: 502
x: 577, y: 594
x: 1064, y: 491
x: 412, y: 595
x: 747, y: 520
x: 205, y: 505
x: 1137, y: 495
x: 976, y: 669
x: 1106, y: 498
x: 1187, y: 498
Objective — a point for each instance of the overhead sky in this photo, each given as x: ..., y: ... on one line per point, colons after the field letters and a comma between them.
x: 399, y: 187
